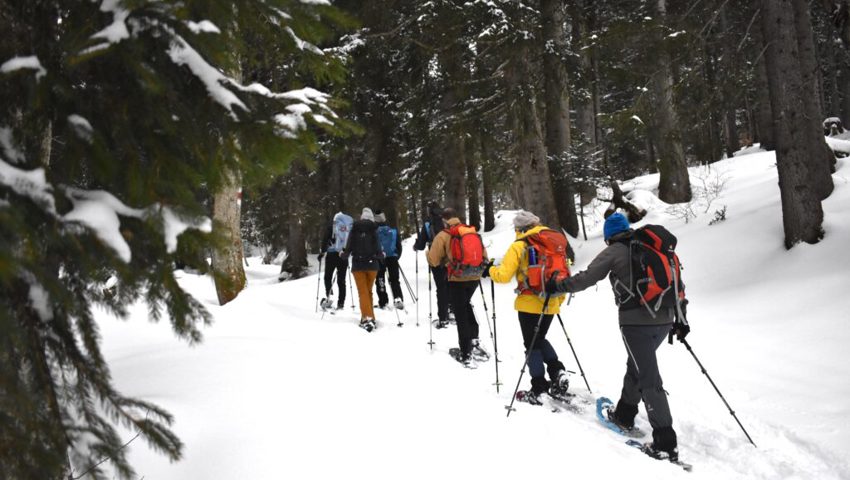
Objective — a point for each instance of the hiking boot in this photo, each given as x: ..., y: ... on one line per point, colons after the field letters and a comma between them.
x: 560, y: 383
x: 478, y: 351
x: 339, y: 306
x: 528, y: 396
x: 326, y: 304
x: 441, y: 324
x: 664, y: 444
x: 623, y: 416
x: 399, y: 304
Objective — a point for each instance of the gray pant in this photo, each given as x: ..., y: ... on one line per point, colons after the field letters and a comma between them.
x: 642, y: 380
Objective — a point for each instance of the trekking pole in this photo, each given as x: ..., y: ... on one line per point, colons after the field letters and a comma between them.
x: 409, y: 288
x: 351, y: 290
x: 574, y: 352
x: 492, y: 336
x: 495, y: 336
x: 417, y: 288
x: 510, y: 407
x: 430, y: 322
x: 318, y: 283
x: 688, y: 346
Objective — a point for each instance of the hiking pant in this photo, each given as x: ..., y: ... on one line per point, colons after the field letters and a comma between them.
x: 334, y: 264
x: 460, y: 296
x: 541, y: 352
x: 441, y: 284
x: 365, y: 279
x: 390, y: 265
x: 642, y: 380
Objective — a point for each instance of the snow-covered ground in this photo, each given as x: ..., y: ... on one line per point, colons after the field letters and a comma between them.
x: 278, y: 391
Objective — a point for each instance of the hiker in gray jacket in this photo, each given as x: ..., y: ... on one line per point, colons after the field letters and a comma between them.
x: 642, y: 334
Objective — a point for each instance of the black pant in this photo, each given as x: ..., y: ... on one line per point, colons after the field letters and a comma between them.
x: 460, y: 296
x: 441, y: 284
x: 390, y: 264
x: 335, y: 264
x: 541, y: 352
x: 642, y: 380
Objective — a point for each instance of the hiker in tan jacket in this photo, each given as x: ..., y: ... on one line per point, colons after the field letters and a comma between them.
x: 463, y: 280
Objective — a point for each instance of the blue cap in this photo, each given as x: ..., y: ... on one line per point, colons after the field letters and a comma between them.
x: 615, y: 224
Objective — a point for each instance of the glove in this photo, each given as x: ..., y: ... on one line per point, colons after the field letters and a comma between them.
x: 486, y: 272
x: 321, y: 256
x: 681, y: 330
x: 552, y: 286
x: 343, y: 256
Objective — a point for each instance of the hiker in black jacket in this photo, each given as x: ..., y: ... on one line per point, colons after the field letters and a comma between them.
x: 365, y: 252
x: 642, y: 334
x: 434, y: 225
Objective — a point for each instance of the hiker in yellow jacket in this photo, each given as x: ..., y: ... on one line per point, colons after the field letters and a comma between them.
x: 529, y: 306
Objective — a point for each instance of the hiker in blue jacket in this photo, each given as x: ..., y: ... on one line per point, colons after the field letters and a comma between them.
x: 391, y: 245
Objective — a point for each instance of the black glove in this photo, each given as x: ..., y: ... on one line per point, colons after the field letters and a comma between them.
x: 486, y: 272
x: 681, y: 330
x: 343, y: 256
x: 552, y: 286
x: 321, y: 256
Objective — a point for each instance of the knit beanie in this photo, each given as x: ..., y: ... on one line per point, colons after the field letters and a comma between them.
x: 524, y: 219
x: 367, y: 214
x: 615, y: 224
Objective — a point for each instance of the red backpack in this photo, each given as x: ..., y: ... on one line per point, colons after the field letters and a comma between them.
x: 547, y: 255
x: 656, y: 270
x: 467, y: 249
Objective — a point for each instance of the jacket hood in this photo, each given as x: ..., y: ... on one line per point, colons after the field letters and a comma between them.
x: 531, y: 231
x: 340, y: 215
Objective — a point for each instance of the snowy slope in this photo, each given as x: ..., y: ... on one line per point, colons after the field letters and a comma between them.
x: 277, y: 391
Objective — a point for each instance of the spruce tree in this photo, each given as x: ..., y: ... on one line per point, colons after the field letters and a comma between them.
x: 116, y: 123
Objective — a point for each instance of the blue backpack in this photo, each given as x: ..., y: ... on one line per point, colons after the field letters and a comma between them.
x: 341, y: 229
x: 388, y: 236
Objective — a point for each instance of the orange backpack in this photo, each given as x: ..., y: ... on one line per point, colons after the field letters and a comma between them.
x: 467, y: 251
x: 547, y: 255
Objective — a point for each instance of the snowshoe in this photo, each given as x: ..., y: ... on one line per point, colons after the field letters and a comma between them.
x: 605, y: 414
x: 467, y: 360
x: 528, y: 396
x: 368, y: 325
x: 478, y: 352
x: 649, y: 449
x: 326, y: 304
x: 398, y: 304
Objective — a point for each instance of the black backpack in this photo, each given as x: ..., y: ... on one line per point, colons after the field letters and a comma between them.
x: 656, y: 279
x: 364, y: 242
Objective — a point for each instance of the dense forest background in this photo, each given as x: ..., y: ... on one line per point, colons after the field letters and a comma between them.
x: 125, y: 124
x: 487, y: 105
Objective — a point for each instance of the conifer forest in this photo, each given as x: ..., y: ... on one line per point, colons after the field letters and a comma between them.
x: 241, y: 128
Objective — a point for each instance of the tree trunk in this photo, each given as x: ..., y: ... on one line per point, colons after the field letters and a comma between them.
x: 454, y: 168
x: 730, y: 121
x: 557, y: 100
x: 674, y: 184
x: 229, y: 274
x: 845, y: 95
x: 802, y: 213
x: 472, y: 186
x: 822, y: 157
x: 583, y: 15
x: 295, y: 263
x: 766, y: 134
x: 833, y: 103
x: 533, y: 184
x: 487, y: 187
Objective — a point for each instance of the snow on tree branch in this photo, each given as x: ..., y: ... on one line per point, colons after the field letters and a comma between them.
x: 21, y: 63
